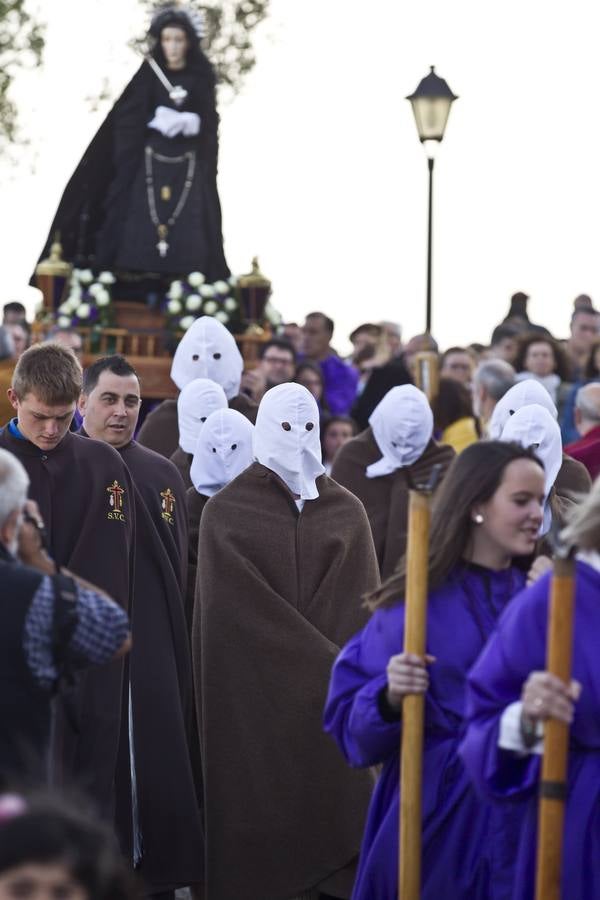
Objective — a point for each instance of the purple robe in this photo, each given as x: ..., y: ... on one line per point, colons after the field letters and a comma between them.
x: 341, y: 383
x: 465, y: 840
x: 518, y: 648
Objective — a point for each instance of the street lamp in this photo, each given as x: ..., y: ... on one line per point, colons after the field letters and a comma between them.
x: 431, y: 104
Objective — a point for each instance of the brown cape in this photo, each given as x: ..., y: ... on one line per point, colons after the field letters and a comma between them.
x: 385, y: 498
x: 195, y: 506
x: 183, y: 462
x: 278, y: 594
x: 73, y: 486
x: 160, y: 431
x: 161, y: 682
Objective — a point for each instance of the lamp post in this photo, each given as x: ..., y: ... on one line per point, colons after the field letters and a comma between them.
x: 431, y: 104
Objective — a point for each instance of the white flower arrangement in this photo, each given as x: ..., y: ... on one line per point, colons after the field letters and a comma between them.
x: 83, y: 311
x: 193, y: 302
x: 221, y: 287
x: 174, y: 307
x: 230, y: 304
x: 175, y: 291
x: 221, y: 316
x: 210, y: 307
x: 88, y: 300
x: 207, y: 290
x: 195, y: 279
x: 186, y: 322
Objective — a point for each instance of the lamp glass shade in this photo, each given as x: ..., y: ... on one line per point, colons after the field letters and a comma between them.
x: 431, y: 115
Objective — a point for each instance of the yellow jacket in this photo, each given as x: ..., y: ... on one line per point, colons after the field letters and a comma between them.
x: 460, y: 434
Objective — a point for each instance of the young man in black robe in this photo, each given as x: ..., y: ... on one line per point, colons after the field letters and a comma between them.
x: 84, y: 493
x: 167, y: 845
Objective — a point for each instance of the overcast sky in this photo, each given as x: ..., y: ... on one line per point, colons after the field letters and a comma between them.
x: 322, y: 175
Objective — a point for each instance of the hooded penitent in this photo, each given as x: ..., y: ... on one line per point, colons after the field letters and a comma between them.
x: 196, y: 402
x: 523, y: 394
x: 380, y: 466
x: 533, y: 426
x: 223, y: 450
x: 208, y: 350
x: 278, y: 592
x: 286, y: 438
x: 402, y: 426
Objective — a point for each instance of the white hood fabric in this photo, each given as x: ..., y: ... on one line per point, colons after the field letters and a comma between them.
x: 208, y: 350
x: 196, y: 402
x: 522, y: 394
x: 287, y: 438
x: 402, y: 426
x: 223, y: 450
x: 533, y: 426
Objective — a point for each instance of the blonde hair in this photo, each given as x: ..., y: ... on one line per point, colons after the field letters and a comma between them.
x: 583, y: 528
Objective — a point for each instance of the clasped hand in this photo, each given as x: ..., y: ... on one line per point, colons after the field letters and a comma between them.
x: 406, y: 674
x: 170, y: 122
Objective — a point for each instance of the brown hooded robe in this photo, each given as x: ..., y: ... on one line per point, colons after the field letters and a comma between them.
x: 160, y: 431
x: 85, y: 496
x: 385, y: 498
x: 161, y: 682
x: 279, y: 592
x: 195, y: 507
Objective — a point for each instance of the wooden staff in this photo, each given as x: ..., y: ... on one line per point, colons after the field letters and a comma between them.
x: 427, y: 373
x: 553, y: 784
x: 413, y: 705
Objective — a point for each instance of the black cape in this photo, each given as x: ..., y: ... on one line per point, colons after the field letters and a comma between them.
x: 85, y: 493
x: 161, y: 682
x: 104, y: 215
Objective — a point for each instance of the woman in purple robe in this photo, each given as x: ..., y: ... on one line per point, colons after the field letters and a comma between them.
x: 487, y: 511
x: 509, y: 695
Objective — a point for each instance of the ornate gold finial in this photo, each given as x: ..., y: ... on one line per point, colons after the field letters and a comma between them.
x: 54, y: 264
x: 255, y: 278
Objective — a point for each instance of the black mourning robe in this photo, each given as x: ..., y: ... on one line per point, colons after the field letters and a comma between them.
x: 104, y: 214
x: 283, y: 812
x: 161, y: 682
x: 85, y: 495
x: 160, y: 431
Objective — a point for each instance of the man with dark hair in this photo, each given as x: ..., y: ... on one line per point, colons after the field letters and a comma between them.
x: 84, y: 493
x: 585, y: 329
x: 457, y: 363
x: 277, y: 364
x: 13, y: 313
x: 340, y: 379
x: 504, y: 343
x: 160, y: 704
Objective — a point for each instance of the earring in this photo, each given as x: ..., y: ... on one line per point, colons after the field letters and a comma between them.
x: 478, y: 519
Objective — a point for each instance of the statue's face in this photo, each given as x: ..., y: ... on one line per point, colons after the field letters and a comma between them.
x: 174, y: 45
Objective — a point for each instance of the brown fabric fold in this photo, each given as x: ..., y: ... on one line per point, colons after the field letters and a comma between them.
x: 278, y: 593
x: 386, y: 498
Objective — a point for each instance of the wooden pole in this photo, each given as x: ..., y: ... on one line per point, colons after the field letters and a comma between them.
x: 427, y: 376
x: 413, y: 706
x: 553, y: 784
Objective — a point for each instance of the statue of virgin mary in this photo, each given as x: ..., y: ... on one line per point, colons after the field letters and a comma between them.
x: 144, y: 197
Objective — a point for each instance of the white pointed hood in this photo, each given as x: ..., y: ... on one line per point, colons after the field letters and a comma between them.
x: 223, y: 450
x: 402, y: 426
x: 523, y: 394
x: 208, y: 350
x: 286, y: 438
x: 533, y: 426
x: 197, y: 400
